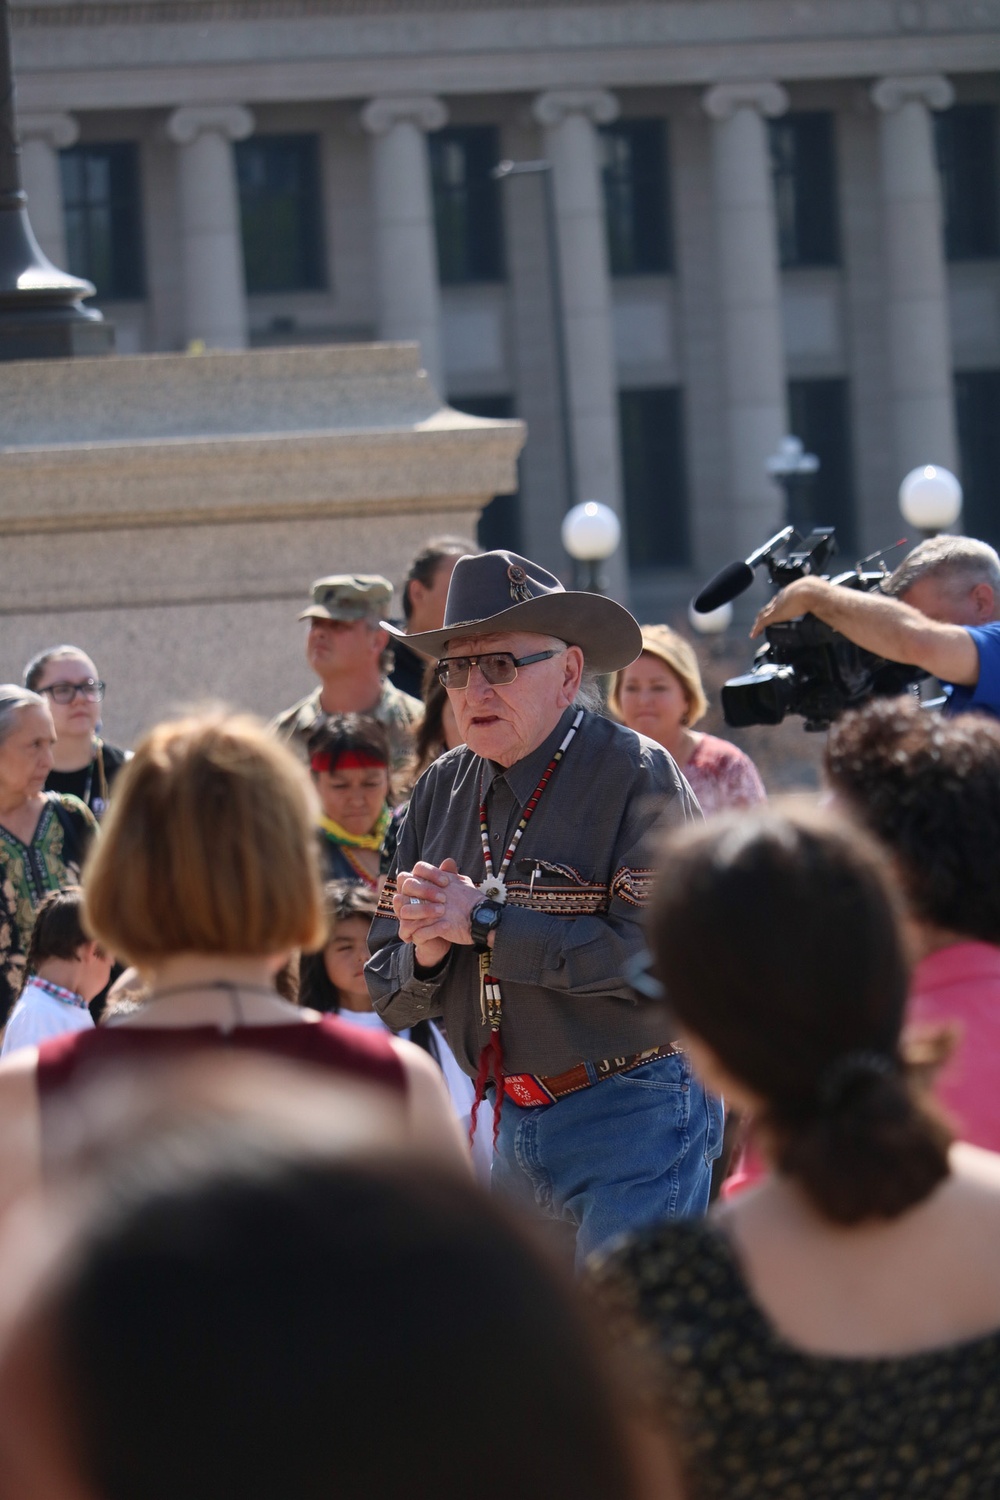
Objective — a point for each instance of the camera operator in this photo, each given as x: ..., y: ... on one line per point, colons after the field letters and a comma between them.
x: 940, y: 611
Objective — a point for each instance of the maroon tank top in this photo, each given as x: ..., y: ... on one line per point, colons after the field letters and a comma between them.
x: 326, y: 1043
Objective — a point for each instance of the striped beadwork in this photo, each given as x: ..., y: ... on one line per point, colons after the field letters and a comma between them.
x: 489, y: 987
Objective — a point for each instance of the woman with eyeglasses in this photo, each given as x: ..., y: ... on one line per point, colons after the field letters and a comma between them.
x: 83, y: 765
x: 43, y: 834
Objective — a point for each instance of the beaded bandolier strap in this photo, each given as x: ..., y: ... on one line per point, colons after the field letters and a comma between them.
x: 494, y: 888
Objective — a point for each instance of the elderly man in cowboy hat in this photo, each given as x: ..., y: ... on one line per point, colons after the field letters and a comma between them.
x: 514, y: 905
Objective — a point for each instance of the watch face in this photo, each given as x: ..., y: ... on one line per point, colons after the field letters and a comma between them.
x: 485, y: 919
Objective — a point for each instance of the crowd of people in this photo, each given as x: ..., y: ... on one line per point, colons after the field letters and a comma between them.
x: 364, y: 1074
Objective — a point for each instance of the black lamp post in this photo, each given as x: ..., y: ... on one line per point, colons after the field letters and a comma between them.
x: 41, y: 316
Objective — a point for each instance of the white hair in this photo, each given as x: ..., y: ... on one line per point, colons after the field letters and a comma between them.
x: 12, y: 700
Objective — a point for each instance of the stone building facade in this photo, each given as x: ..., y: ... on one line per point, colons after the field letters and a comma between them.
x: 765, y: 216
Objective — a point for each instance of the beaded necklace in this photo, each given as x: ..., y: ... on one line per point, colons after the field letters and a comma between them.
x: 371, y: 881
x: 494, y: 888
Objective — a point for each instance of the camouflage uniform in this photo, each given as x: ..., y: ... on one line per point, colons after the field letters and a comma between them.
x: 398, y: 712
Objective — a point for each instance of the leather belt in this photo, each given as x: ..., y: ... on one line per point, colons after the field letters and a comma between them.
x: 532, y: 1089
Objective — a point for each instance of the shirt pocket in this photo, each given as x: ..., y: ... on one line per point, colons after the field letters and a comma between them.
x: 557, y: 890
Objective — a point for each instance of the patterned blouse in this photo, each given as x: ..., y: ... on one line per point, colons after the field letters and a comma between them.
x: 755, y: 1417
x: 722, y: 776
x: 29, y: 871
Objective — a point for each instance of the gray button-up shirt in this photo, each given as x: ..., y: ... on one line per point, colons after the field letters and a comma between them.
x: 576, y: 890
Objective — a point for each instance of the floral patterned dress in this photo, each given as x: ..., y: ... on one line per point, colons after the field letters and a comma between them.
x: 29, y: 871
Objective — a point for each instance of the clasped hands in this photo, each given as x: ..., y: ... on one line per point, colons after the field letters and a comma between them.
x: 433, y: 904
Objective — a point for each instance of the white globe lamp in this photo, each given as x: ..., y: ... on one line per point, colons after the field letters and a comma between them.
x: 930, y: 498
x: 590, y: 533
x: 713, y: 622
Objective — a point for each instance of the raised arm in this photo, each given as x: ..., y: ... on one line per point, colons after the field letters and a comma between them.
x: 885, y: 626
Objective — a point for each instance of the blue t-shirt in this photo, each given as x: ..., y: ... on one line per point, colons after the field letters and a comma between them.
x: 985, y: 696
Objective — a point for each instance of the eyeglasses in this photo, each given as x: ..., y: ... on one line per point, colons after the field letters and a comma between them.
x: 65, y: 692
x: 497, y: 667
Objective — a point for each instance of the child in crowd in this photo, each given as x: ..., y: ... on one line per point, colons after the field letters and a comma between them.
x: 64, y: 971
x: 333, y: 980
x: 349, y: 761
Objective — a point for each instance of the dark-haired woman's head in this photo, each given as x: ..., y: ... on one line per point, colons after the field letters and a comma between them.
x: 273, y: 1324
x: 777, y: 937
x: 929, y: 788
x: 349, y: 760
x: 331, y: 977
x: 437, y: 731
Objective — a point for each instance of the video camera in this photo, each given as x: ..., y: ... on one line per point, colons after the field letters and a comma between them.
x: 803, y: 667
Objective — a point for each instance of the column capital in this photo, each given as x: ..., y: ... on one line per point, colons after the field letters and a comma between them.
x: 722, y: 100
x: 57, y: 130
x: 234, y: 121
x: 932, y: 89
x: 423, y: 110
x: 599, y: 106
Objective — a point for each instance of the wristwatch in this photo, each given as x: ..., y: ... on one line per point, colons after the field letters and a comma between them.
x: 484, y: 919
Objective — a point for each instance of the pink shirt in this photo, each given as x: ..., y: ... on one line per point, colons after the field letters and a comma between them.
x: 721, y: 776
x: 961, y: 983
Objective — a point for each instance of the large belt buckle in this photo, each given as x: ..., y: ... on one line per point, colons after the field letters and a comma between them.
x: 525, y: 1090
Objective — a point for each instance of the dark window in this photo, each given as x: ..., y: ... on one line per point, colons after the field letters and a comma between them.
x: 281, y: 210
x: 819, y: 414
x: 804, y: 168
x: 636, y: 196
x: 103, y: 210
x: 467, y: 204
x: 500, y: 522
x: 970, y: 180
x: 653, y: 469
x: 977, y: 398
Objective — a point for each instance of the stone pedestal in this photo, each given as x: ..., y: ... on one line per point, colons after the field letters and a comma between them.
x: 917, y: 307
x: 409, y: 298
x: 211, y: 251
x: 43, y: 136
x: 168, y: 513
x: 749, y: 301
x: 569, y: 118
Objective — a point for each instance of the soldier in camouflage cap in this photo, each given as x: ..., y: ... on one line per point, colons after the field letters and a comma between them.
x: 348, y: 651
x: 349, y: 596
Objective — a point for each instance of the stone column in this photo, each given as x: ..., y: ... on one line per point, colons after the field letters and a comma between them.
x: 569, y: 118
x: 916, y: 278
x: 43, y: 136
x: 211, y: 252
x: 409, y: 297
x: 750, y: 301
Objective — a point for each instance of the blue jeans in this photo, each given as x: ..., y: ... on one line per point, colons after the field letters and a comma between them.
x: 631, y: 1150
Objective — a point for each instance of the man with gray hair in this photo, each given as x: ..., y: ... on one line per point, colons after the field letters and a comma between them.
x: 940, y: 611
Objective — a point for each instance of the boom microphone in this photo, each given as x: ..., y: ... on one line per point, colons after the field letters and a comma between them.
x: 735, y: 578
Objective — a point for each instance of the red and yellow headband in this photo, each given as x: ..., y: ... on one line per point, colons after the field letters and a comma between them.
x: 347, y: 760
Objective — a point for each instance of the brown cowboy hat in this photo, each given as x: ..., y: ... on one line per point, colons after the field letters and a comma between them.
x: 498, y: 592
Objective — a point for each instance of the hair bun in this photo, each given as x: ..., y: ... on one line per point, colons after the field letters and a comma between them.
x: 848, y: 1075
